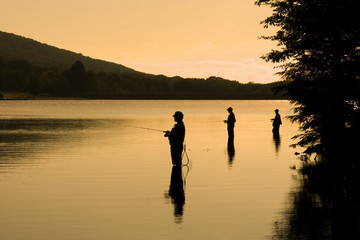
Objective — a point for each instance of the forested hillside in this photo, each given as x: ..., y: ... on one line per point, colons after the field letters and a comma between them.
x: 42, y: 70
x: 14, y: 47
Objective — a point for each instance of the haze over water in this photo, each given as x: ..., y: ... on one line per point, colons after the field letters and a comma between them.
x: 101, y: 170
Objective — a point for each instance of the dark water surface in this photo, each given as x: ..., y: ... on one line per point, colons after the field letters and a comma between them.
x: 92, y: 170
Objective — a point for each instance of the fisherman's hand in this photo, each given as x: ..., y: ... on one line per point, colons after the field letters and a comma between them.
x: 225, y: 121
x: 167, y: 134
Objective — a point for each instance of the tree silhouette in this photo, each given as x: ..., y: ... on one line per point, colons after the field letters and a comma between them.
x: 80, y: 80
x: 319, y: 54
x: 33, y: 86
x: 76, y: 76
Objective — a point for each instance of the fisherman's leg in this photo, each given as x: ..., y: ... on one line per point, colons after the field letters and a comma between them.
x: 275, y: 129
x: 176, y: 154
x: 173, y: 155
x: 231, y: 132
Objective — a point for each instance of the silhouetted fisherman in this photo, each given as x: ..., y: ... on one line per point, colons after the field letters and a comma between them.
x: 176, y: 138
x: 276, y: 121
x: 230, y: 123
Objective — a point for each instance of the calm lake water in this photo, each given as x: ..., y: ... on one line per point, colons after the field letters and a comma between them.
x: 101, y: 170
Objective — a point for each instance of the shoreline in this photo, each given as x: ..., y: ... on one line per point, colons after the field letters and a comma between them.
x: 145, y: 96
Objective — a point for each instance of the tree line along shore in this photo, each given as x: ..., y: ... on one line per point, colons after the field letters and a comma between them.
x: 20, y: 79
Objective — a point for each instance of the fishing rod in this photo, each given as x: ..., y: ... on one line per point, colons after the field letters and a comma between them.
x: 145, y: 128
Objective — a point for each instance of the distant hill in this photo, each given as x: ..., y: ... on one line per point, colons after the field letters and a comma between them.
x: 14, y: 47
x: 39, y: 70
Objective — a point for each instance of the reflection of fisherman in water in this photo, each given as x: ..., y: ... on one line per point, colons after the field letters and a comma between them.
x: 276, y: 121
x: 276, y: 138
x: 176, y: 191
x: 176, y: 138
x: 231, y: 150
x: 230, y: 122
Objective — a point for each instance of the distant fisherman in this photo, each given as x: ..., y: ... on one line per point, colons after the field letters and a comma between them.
x: 230, y: 123
x: 176, y: 138
x: 276, y: 121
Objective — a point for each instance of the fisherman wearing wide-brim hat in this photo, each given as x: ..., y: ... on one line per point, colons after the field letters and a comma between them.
x: 176, y: 138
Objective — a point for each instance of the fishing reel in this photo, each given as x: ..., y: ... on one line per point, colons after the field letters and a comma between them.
x: 167, y: 133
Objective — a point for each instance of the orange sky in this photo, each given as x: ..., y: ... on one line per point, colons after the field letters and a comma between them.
x: 189, y: 38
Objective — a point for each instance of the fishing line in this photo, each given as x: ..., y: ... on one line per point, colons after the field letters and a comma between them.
x: 187, y: 165
x: 185, y: 154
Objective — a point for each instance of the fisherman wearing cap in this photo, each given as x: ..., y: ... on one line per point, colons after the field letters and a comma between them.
x: 276, y: 121
x: 176, y: 138
x: 230, y: 123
